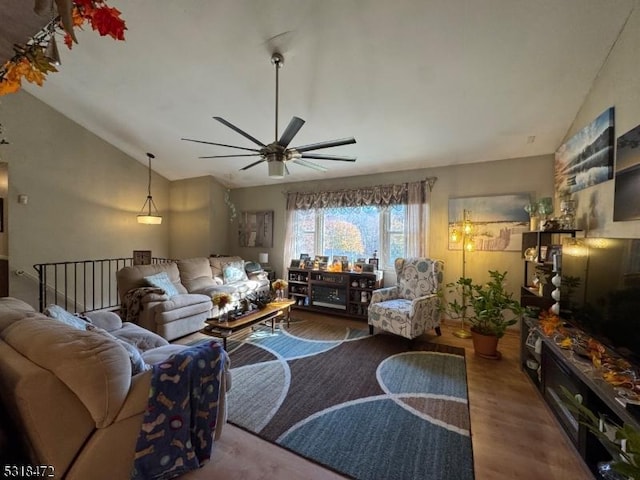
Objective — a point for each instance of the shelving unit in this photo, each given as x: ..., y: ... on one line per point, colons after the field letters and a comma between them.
x: 558, y: 368
x: 531, y: 296
x: 338, y: 293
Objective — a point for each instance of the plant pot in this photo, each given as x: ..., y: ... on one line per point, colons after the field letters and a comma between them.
x: 485, y: 346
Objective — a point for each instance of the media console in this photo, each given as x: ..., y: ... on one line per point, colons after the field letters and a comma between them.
x: 550, y: 367
x: 339, y: 293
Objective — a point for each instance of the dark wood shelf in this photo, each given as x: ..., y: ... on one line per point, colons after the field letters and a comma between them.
x: 348, y: 288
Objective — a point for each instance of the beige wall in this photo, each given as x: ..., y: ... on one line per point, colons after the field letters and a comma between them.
x: 200, y: 218
x: 492, y: 178
x: 617, y: 86
x: 84, y: 194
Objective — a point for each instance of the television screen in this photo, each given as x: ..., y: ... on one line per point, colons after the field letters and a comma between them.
x: 601, y: 291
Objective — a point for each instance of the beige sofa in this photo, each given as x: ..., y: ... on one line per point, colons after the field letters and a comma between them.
x: 71, y: 393
x: 197, y: 281
x: 170, y: 317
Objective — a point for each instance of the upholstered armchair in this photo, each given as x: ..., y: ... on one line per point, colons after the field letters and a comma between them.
x: 412, y: 307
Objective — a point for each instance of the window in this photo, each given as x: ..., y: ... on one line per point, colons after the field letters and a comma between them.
x: 352, y: 231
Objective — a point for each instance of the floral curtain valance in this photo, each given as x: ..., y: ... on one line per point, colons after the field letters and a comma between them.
x: 381, y: 195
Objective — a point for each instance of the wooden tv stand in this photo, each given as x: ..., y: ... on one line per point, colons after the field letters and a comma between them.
x: 558, y: 367
x: 335, y: 293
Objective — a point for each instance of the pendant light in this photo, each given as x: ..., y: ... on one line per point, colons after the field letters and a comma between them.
x: 147, y: 215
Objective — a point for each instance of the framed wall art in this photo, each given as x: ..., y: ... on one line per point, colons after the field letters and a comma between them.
x: 497, y: 221
x: 256, y: 229
x: 627, y: 177
x: 586, y: 159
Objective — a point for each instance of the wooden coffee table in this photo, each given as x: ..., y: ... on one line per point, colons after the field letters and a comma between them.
x: 271, y: 312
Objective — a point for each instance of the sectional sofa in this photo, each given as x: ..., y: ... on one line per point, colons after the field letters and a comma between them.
x: 74, y: 395
x: 173, y: 299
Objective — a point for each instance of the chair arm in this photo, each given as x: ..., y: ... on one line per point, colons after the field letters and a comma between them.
x: 428, y: 302
x: 383, y: 294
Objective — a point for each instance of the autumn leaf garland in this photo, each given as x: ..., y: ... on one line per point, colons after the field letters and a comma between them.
x: 31, y: 64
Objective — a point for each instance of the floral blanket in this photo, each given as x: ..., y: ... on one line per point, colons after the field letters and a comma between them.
x: 177, y: 430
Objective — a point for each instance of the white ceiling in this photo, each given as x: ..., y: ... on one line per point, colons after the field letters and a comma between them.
x: 418, y: 83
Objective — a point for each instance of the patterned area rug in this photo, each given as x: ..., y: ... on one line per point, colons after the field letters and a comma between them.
x: 369, y: 407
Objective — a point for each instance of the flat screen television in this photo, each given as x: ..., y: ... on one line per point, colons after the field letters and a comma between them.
x: 600, y: 292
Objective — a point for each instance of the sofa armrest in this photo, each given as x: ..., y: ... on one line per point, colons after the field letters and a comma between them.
x: 108, y: 321
x: 258, y: 275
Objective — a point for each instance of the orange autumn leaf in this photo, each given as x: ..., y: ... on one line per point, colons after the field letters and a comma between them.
x: 8, y: 86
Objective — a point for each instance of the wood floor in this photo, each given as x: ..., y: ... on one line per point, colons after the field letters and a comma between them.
x: 514, y: 434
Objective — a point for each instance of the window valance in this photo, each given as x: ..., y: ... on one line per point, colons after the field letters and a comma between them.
x: 381, y: 195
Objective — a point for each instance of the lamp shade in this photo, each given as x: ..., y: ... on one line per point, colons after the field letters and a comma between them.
x: 276, y: 169
x: 263, y: 258
x: 150, y: 219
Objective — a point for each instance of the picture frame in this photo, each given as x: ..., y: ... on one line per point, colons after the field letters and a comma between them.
x: 368, y: 267
x: 304, y: 256
x: 256, y: 229
x: 543, y: 254
x: 323, y: 265
x: 322, y: 259
x: 553, y: 250
x: 374, y: 262
x: 142, y: 257
x: 296, y: 263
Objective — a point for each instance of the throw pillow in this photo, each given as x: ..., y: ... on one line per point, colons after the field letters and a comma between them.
x: 135, y: 357
x: 59, y: 313
x: 162, y: 280
x: 234, y: 272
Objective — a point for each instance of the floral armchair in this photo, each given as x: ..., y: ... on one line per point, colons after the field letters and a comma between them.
x: 411, y: 307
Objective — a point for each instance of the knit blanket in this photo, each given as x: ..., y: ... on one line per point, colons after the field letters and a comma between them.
x: 132, y: 302
x: 177, y: 430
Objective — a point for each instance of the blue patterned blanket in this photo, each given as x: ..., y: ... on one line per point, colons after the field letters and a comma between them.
x: 177, y: 429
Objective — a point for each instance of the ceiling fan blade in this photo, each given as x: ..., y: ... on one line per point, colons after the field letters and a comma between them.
x: 330, y: 143
x: 235, y: 155
x: 319, y: 156
x: 252, y: 164
x: 241, y: 132
x: 220, y: 144
x: 315, y: 166
x: 292, y: 129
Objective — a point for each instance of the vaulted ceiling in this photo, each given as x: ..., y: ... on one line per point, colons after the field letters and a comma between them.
x: 418, y: 83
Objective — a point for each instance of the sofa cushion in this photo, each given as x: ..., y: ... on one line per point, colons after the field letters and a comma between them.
x: 195, y: 274
x: 217, y: 264
x: 105, y: 319
x: 233, y: 272
x: 161, y: 280
x: 58, y: 313
x: 135, y: 357
x: 141, y: 338
x: 94, y: 367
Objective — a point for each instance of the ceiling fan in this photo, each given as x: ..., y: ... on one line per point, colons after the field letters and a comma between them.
x: 278, y: 153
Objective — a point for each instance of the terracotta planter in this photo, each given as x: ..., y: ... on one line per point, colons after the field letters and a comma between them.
x: 485, y: 346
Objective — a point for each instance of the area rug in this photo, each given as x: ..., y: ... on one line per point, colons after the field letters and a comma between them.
x: 366, y: 406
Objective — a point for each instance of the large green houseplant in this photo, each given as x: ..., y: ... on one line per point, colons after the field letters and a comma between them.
x: 489, y: 309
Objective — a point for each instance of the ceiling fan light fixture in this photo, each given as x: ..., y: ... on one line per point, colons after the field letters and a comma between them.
x: 276, y: 169
x: 149, y: 213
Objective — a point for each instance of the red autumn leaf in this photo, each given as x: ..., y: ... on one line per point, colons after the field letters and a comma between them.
x: 108, y: 22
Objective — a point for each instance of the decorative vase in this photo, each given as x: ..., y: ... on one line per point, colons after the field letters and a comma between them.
x: 279, y: 295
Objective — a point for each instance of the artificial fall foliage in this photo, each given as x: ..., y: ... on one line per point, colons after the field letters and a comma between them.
x: 31, y: 64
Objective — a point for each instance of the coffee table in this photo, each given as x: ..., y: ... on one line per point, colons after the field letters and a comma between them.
x: 271, y: 312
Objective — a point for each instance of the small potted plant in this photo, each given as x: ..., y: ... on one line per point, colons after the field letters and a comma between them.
x: 488, y: 308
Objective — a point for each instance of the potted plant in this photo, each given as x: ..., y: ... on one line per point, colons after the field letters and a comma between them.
x: 488, y: 308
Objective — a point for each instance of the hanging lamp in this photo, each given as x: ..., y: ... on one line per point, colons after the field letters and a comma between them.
x: 147, y: 215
